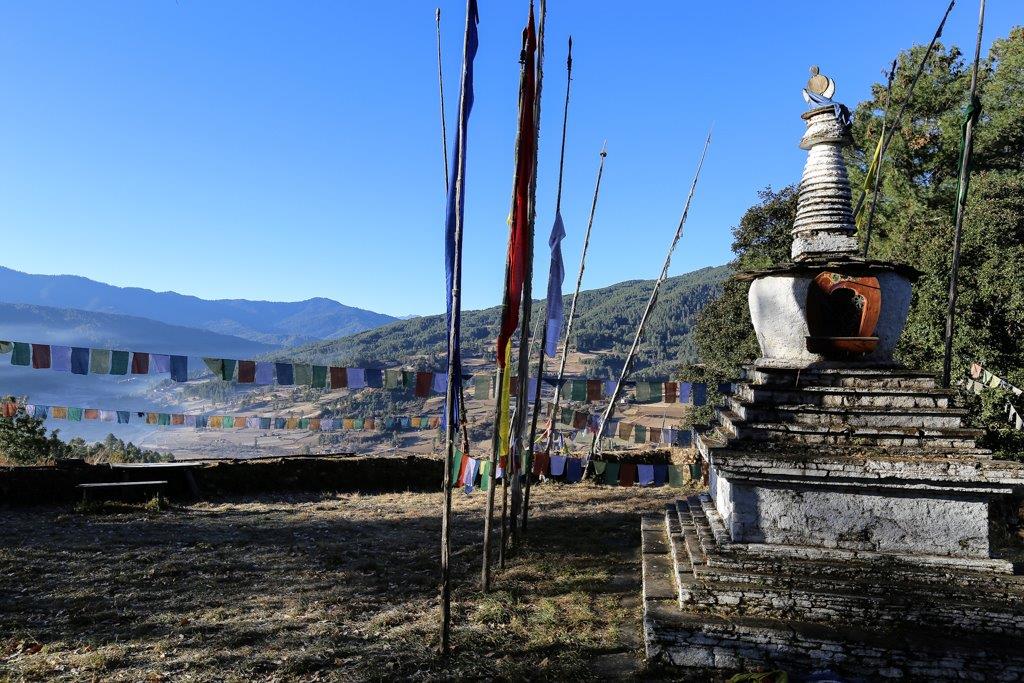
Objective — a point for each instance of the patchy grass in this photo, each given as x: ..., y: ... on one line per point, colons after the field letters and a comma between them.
x: 320, y: 588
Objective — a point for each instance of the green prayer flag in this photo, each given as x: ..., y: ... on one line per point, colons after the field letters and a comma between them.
x: 485, y: 475
x: 303, y: 374
x: 229, y: 421
x: 75, y: 414
x: 675, y: 477
x: 118, y: 362
x: 481, y: 387
x: 611, y: 474
x: 456, y: 466
x: 408, y: 378
x: 99, y: 361
x: 695, y: 471
x: 216, y: 366
x: 599, y: 466
x: 578, y: 390
x: 22, y: 354
x: 393, y: 379
x: 6, y: 347
x: 303, y: 423
x: 320, y: 376
x: 963, y: 182
x: 358, y: 423
x: 640, y: 434
x: 228, y: 372
x: 164, y: 419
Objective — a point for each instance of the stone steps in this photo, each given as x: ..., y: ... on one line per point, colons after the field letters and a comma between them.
x: 701, y: 617
x: 843, y: 397
x: 858, y: 416
x: 854, y: 378
x: 885, y: 436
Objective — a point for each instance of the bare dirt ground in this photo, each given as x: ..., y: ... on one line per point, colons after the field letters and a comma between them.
x: 318, y: 588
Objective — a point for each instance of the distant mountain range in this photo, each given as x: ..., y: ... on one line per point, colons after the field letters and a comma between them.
x: 606, y: 322
x: 73, y: 327
x: 267, y: 322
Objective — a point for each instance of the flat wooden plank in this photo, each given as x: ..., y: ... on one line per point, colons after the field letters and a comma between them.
x: 121, y: 483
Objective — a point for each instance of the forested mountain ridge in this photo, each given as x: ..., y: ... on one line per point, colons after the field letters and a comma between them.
x: 606, y: 321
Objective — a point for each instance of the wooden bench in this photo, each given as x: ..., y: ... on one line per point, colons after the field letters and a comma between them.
x: 123, y: 486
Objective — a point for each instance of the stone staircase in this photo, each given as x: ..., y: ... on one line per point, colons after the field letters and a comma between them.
x: 855, y: 408
x: 711, y: 605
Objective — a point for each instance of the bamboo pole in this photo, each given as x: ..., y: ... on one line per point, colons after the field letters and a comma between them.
x: 878, y: 166
x: 610, y: 410
x: 906, y: 101
x: 440, y: 87
x: 961, y: 204
x: 522, y: 409
x: 454, y: 370
x: 547, y: 314
x: 575, y: 299
x: 485, y: 570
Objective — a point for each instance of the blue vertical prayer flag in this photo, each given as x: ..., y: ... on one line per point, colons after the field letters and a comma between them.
x: 79, y: 361
x: 456, y: 209
x: 700, y: 394
x: 556, y: 276
x: 179, y: 368
x: 285, y: 374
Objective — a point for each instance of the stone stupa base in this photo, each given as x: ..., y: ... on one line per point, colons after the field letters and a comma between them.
x: 713, y: 608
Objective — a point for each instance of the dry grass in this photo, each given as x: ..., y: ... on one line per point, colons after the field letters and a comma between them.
x: 320, y: 588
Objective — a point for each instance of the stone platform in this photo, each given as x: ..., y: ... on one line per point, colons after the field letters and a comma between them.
x: 852, y: 525
x: 713, y: 607
x: 853, y: 460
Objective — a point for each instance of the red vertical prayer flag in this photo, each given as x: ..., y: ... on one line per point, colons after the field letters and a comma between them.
x: 339, y: 378
x: 424, y: 381
x: 246, y: 371
x: 40, y: 356
x: 627, y: 474
x: 140, y: 363
x: 518, y: 237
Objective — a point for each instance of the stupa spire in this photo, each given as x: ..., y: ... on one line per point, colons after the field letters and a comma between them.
x: 824, y: 227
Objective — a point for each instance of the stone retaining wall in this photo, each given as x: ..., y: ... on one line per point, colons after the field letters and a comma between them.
x: 372, y: 474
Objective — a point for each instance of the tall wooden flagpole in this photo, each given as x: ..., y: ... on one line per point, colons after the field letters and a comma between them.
x: 542, y: 337
x: 906, y: 101
x: 973, y: 110
x: 453, y: 246
x: 510, y: 304
x: 610, y: 410
x: 440, y: 87
x: 878, y: 162
x: 575, y: 298
x: 522, y: 397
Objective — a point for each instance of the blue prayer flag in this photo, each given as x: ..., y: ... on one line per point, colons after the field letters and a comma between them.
x: 79, y: 361
x: 179, y: 368
x: 456, y: 208
x: 556, y: 276
x: 285, y: 374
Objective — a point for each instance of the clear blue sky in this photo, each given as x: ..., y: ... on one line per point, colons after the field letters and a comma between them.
x: 285, y: 150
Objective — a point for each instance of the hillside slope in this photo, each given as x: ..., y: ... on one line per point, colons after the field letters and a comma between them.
x: 268, y: 322
x: 606, y: 321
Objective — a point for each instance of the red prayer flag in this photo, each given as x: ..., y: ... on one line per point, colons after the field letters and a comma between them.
x: 40, y: 356
x: 627, y: 474
x: 518, y: 236
x: 424, y: 381
x: 246, y: 371
x: 339, y: 378
x: 140, y: 363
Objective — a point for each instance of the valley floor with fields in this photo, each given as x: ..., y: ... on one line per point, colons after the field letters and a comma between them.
x: 317, y: 588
